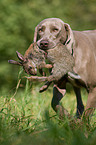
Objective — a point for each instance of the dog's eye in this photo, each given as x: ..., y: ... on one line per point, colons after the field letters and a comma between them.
x: 41, y: 29
x: 55, y: 29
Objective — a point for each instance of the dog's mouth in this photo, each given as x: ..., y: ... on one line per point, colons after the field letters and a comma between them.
x: 44, y: 48
x: 48, y: 46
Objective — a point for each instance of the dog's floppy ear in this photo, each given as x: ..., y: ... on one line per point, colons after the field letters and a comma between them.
x: 69, y: 33
x: 69, y: 38
x: 35, y: 34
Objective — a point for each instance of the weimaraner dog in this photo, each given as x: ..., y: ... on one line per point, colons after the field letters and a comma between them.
x: 82, y: 45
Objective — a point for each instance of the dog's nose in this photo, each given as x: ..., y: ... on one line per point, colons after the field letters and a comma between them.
x: 44, y: 44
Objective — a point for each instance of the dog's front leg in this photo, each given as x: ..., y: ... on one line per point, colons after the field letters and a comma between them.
x: 80, y: 106
x: 57, y: 96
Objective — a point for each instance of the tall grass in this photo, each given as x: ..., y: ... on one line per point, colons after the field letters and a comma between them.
x: 26, y: 118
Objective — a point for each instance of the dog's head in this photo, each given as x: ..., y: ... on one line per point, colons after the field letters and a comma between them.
x: 51, y: 31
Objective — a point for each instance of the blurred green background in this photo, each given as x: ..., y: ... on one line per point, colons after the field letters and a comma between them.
x: 18, y: 19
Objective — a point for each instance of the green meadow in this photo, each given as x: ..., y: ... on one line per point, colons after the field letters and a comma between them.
x: 26, y: 117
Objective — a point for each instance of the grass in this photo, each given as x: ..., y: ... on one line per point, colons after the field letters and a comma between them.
x: 26, y: 117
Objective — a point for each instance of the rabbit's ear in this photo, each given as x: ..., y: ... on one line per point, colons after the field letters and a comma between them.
x: 20, y: 56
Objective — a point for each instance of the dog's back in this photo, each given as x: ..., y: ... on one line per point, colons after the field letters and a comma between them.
x: 85, y: 55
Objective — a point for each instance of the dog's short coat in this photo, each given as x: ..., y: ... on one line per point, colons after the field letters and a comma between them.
x: 82, y: 44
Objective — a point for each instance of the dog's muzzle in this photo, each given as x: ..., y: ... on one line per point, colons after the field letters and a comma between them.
x: 44, y: 44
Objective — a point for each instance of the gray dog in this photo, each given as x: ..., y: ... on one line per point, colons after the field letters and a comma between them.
x: 82, y: 45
